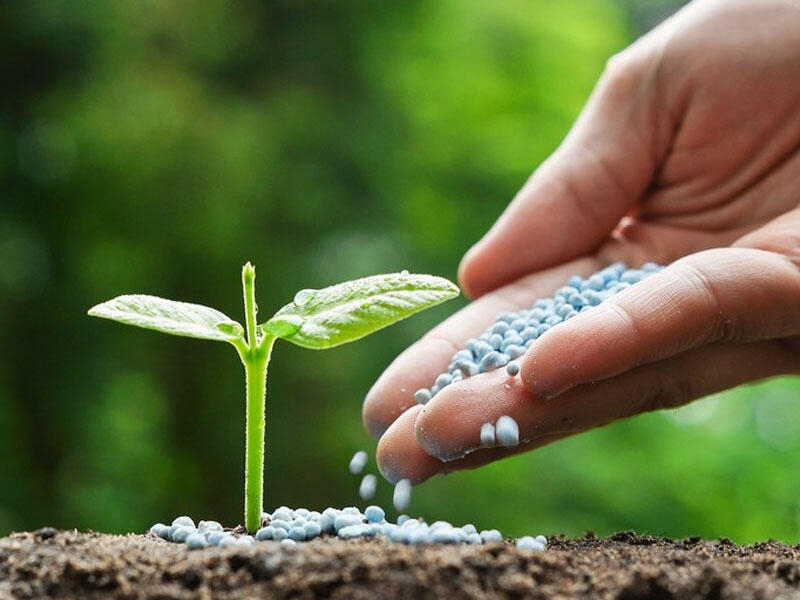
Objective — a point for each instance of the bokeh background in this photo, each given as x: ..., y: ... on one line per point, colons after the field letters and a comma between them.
x: 154, y: 147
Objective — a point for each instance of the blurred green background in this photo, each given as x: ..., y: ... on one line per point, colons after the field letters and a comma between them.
x: 155, y: 147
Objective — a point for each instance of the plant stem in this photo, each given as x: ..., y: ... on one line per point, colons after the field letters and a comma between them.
x: 256, y: 381
x: 255, y: 356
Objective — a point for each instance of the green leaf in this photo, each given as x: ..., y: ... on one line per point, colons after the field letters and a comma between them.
x: 283, y: 326
x: 351, y: 310
x: 170, y: 316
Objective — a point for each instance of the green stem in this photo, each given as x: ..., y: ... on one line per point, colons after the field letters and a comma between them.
x: 255, y: 355
x: 255, y: 367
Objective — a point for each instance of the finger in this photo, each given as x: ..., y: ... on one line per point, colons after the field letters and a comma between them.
x: 417, y: 367
x: 400, y: 456
x: 449, y: 425
x: 571, y: 204
x: 730, y: 294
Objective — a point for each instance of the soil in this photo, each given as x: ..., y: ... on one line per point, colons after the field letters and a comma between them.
x: 67, y: 564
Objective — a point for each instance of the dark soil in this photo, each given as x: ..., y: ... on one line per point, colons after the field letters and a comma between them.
x: 54, y: 564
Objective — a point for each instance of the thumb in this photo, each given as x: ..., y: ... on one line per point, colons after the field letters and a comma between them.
x: 575, y: 199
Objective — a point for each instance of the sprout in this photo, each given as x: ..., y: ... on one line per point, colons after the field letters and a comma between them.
x: 315, y: 319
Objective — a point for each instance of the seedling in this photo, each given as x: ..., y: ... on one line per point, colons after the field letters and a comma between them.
x: 316, y: 319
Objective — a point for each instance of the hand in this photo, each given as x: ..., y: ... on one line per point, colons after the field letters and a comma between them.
x: 688, y: 154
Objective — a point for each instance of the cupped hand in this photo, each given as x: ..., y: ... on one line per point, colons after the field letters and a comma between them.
x: 687, y: 154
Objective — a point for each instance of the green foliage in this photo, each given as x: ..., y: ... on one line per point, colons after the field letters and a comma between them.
x: 315, y: 319
x: 169, y: 316
x: 351, y: 310
x: 149, y: 145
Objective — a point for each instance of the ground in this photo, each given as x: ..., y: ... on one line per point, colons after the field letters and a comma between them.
x: 68, y: 564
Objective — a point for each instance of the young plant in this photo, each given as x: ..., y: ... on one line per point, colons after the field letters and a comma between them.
x: 315, y: 319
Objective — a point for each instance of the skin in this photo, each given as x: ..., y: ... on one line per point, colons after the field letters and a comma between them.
x: 686, y: 154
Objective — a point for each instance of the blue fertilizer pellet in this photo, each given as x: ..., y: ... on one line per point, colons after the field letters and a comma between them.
x: 182, y: 532
x: 354, y: 531
x: 346, y: 520
x: 326, y: 523
x: 491, y: 535
x: 495, y: 341
x: 443, y: 380
x: 196, y: 540
x: 553, y: 320
x: 374, y: 514
x: 467, y: 368
x: 422, y: 396
x: 417, y: 536
x: 514, y: 351
x: 280, y: 524
x: 160, y: 529
x: 512, y: 369
x: 492, y: 360
x: 402, y: 495
x: 348, y: 523
x: 183, y: 521
x: 488, y: 434
x: 282, y: 514
x: 367, y: 488
x: 313, y: 529
x: 529, y: 544
x: 512, y: 333
x: 358, y: 462
x: 500, y: 327
x: 445, y: 535
x: 396, y: 534
x: 204, y: 526
x: 507, y: 431
x: 215, y: 537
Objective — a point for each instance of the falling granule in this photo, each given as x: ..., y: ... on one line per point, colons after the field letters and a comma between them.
x: 358, y: 462
x: 367, y: 488
x: 402, y: 495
